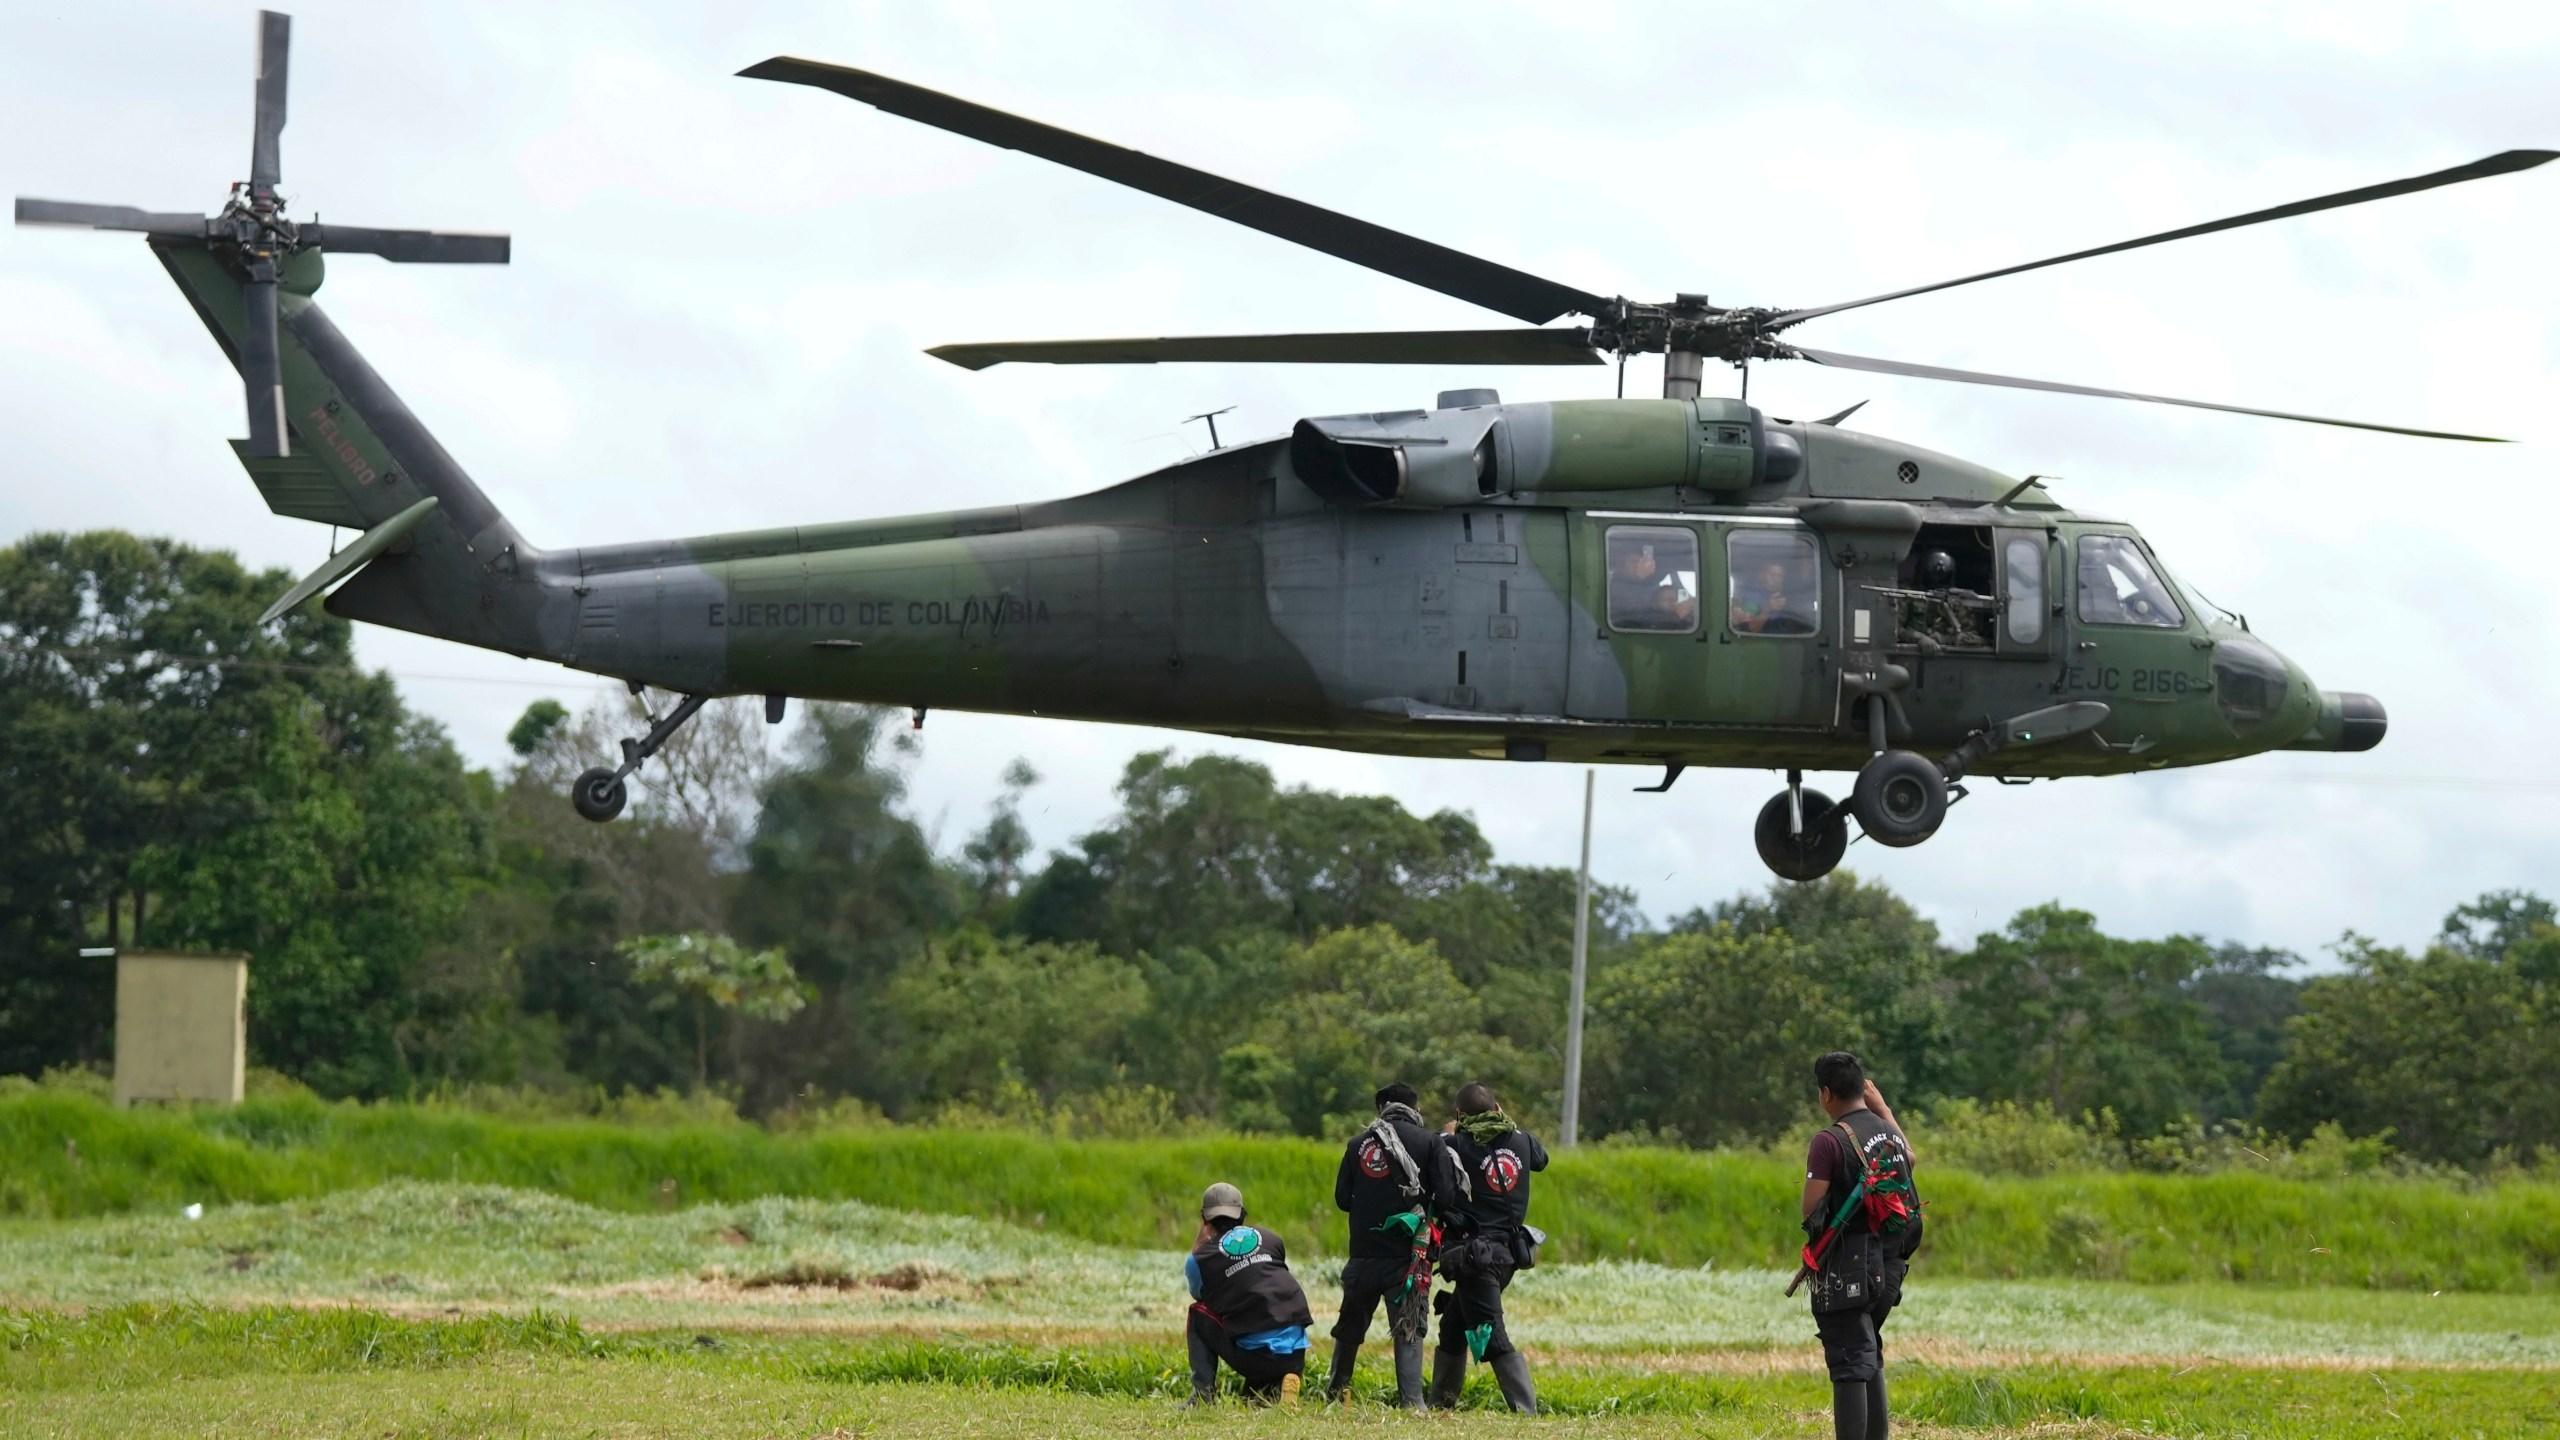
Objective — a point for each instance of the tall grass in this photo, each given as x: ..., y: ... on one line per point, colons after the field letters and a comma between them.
x: 71, y: 1156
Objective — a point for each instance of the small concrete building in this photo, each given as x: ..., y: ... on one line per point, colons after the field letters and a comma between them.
x: 182, y: 1026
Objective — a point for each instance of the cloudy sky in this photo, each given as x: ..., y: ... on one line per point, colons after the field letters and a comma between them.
x: 722, y: 289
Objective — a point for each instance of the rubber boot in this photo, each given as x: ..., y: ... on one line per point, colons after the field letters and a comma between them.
x: 1849, y: 1409
x: 1346, y: 1353
x: 1409, y: 1374
x: 1877, y: 1425
x: 1511, y: 1372
x: 1448, y: 1377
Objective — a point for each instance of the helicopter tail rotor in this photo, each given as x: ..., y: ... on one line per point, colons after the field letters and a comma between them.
x: 255, y: 239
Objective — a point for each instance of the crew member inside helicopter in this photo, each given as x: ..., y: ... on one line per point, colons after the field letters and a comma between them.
x: 1774, y: 588
x: 1645, y: 593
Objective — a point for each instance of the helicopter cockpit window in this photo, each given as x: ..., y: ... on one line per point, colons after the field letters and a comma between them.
x: 1777, y: 582
x: 2119, y: 587
x: 2023, y: 559
x: 1653, y: 579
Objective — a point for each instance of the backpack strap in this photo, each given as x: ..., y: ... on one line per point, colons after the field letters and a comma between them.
x: 1385, y: 1130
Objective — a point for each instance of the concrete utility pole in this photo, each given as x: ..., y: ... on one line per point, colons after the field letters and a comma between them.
x: 1581, y: 949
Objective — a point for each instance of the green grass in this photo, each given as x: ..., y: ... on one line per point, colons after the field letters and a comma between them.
x: 188, y: 1370
x: 778, y: 1265
x: 73, y: 1156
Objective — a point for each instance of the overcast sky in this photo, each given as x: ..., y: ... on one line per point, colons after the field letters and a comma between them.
x: 722, y: 289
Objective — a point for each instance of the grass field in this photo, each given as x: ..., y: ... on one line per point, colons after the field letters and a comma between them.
x: 395, y: 1271
x: 434, y: 1309
x: 74, y: 1157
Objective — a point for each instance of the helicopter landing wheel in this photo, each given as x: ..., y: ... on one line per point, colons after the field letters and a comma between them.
x: 1901, y: 798
x: 599, y: 794
x: 1809, y: 855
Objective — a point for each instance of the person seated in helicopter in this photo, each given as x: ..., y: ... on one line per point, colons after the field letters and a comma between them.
x: 1764, y: 606
x: 1642, y: 594
x: 1674, y: 608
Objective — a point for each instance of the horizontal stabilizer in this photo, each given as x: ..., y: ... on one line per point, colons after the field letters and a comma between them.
x: 346, y: 562
x: 299, y: 487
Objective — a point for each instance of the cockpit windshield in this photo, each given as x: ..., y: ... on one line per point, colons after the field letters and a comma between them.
x: 2118, y: 585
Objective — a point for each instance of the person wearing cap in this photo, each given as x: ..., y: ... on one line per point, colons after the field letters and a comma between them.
x: 1488, y: 1240
x: 1393, y: 1180
x: 1246, y: 1308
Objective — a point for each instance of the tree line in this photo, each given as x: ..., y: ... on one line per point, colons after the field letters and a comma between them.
x: 773, y: 922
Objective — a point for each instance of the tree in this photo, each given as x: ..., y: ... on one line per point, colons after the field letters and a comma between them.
x: 2448, y: 1052
x: 995, y: 854
x: 1210, y: 848
x: 1357, y: 1008
x: 981, y: 1009
x: 1874, y: 956
x: 174, y: 773
x: 840, y: 876
x: 1708, y: 1037
x: 716, y: 971
x: 2246, y: 1006
x: 2054, y: 1010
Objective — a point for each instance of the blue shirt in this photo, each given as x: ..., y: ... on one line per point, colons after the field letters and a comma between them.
x: 1287, y: 1340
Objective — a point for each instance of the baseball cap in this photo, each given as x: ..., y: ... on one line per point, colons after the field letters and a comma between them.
x: 1222, y: 1199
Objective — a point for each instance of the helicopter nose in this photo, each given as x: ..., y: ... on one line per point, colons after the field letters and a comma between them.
x: 2348, y: 722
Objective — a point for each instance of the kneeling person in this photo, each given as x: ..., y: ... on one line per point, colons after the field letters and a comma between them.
x: 1247, y: 1309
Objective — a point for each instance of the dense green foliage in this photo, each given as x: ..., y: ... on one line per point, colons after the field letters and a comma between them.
x: 1672, y: 1207
x: 1224, y: 952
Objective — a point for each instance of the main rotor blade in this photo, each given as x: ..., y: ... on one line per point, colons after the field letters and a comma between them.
x: 275, y: 47
x: 1515, y: 293
x: 261, y: 373
x: 1356, y: 347
x: 1975, y: 377
x: 109, y: 217
x: 430, y: 247
x: 2506, y: 162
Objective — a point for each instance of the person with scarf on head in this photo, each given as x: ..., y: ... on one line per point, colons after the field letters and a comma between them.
x: 1394, y: 1182
x: 1487, y: 1239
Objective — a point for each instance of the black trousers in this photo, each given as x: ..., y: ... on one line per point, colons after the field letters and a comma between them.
x: 1210, y: 1343
x: 1471, y: 1311
x: 1853, y: 1343
x: 1366, y: 1284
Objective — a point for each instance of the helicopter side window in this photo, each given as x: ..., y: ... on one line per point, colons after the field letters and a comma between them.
x: 1777, y: 582
x: 2023, y: 560
x: 1653, y: 579
x: 2119, y: 587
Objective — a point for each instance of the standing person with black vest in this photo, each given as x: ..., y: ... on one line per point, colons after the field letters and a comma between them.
x: 1862, y: 1221
x: 1394, y: 1182
x: 1246, y: 1309
x: 1488, y: 1240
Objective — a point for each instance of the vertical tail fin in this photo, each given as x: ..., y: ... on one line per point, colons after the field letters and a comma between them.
x: 357, y: 457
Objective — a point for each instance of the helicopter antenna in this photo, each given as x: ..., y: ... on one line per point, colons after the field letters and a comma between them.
x: 1212, y: 418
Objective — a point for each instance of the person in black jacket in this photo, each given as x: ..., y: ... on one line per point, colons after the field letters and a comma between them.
x: 1393, y: 1182
x: 1860, y: 1279
x: 1246, y: 1308
x: 1487, y: 1232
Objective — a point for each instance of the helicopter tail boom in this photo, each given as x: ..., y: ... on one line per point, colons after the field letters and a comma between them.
x: 357, y: 457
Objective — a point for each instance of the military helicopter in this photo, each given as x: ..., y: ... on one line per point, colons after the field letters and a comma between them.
x: 1677, y: 581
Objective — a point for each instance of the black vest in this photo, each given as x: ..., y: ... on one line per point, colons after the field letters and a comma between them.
x: 1245, y: 1282
x: 1369, y: 1187
x: 1495, y: 1195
